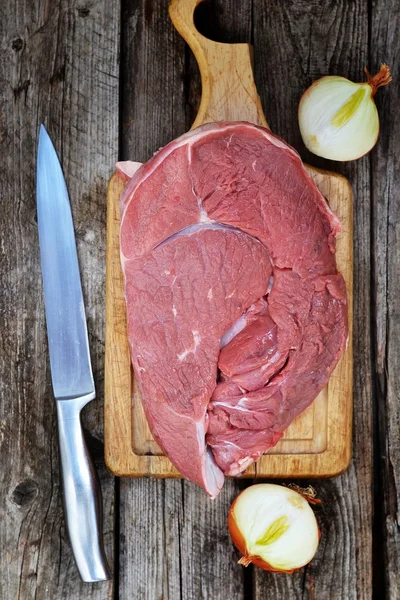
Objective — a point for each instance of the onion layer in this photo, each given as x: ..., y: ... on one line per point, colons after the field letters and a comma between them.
x: 274, y: 528
x: 338, y: 119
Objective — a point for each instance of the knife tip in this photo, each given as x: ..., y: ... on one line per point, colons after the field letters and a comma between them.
x: 44, y: 138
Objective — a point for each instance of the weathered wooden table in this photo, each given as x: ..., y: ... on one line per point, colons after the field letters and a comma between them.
x: 112, y: 78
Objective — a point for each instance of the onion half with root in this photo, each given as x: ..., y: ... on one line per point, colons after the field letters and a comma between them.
x: 274, y: 528
x: 338, y: 118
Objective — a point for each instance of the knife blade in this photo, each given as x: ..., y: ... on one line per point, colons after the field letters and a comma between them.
x: 71, y: 370
x: 70, y: 364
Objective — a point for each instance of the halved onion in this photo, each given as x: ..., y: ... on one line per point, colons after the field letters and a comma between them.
x: 274, y: 528
x: 338, y: 118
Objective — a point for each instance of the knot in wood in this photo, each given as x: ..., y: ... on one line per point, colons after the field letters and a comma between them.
x: 25, y: 493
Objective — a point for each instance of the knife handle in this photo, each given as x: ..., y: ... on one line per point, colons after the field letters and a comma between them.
x: 82, y: 493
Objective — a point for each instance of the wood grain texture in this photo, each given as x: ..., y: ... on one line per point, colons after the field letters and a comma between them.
x: 296, y: 43
x: 174, y: 540
x: 58, y: 65
x: 318, y: 443
x: 385, y: 168
x: 228, y: 89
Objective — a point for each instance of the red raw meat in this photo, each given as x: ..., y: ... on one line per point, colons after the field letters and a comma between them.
x: 236, y: 312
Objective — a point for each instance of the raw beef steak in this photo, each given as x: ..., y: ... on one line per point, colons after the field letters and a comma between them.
x: 236, y: 312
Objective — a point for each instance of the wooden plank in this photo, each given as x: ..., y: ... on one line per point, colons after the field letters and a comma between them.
x: 173, y: 538
x: 385, y: 46
x: 296, y: 43
x: 175, y: 542
x: 58, y: 65
x: 209, y: 567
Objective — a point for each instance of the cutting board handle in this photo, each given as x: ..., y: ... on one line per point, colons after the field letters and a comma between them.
x: 228, y: 89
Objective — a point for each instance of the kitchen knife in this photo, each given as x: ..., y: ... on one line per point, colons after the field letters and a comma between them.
x: 71, y: 370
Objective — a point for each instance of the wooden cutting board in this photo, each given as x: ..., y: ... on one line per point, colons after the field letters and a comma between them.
x: 318, y: 443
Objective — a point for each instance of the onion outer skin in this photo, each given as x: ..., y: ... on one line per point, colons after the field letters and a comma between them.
x: 240, y: 543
